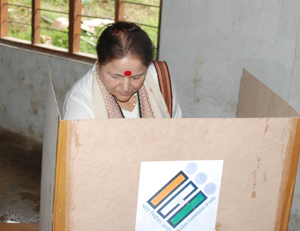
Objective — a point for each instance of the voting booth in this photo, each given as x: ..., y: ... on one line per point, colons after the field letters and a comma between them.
x: 116, y: 174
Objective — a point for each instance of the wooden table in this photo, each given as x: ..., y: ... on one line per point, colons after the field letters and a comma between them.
x: 19, y: 226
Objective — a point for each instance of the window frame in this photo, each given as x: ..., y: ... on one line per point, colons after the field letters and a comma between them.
x: 73, y: 51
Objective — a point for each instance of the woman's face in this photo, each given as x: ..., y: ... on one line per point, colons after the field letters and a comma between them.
x: 123, y: 77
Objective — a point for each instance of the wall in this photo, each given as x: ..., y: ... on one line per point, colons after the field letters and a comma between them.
x: 23, y: 78
x: 207, y: 43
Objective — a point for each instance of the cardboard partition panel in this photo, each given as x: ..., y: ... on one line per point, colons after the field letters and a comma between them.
x: 257, y: 100
x: 103, y: 160
x: 52, y: 120
x: 98, y: 168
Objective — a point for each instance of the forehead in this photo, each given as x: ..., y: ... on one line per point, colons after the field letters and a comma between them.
x: 120, y: 66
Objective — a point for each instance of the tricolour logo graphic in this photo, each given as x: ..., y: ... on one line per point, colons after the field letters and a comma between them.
x: 173, y: 203
x: 183, y: 197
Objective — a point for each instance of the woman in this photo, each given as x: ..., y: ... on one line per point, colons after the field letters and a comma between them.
x: 123, y: 83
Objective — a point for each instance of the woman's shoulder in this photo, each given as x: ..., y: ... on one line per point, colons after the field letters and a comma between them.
x: 84, y: 83
x: 78, y: 102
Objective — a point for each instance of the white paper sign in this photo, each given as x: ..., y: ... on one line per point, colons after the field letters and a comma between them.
x: 178, y: 195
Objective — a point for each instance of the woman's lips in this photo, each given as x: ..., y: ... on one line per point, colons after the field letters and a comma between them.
x: 125, y: 93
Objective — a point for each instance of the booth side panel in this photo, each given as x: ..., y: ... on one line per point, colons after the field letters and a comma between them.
x: 294, y: 223
x: 49, y: 160
x: 257, y: 100
x: 60, y: 179
x: 289, y: 179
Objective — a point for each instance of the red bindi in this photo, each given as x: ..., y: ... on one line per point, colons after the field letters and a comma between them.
x: 127, y: 73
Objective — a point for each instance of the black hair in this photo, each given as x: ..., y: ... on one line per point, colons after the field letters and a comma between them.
x: 124, y: 39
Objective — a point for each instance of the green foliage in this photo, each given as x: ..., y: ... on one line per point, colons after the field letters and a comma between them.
x: 21, y: 16
x: 59, y: 2
x: 25, y: 35
x: 59, y: 38
x: 86, y: 47
x: 96, y: 8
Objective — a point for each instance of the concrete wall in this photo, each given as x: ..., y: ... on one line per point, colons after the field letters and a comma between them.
x: 207, y: 43
x: 23, y: 78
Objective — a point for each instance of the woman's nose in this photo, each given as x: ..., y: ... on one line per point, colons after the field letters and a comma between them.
x: 125, y: 84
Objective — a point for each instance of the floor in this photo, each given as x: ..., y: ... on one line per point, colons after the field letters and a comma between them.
x: 20, y: 174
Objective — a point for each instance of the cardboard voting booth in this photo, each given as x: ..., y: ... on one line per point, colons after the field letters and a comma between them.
x: 95, y: 172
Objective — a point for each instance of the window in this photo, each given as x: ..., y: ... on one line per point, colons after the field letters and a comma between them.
x: 71, y: 28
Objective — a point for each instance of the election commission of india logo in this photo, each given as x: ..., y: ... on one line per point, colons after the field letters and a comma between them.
x: 182, y: 198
